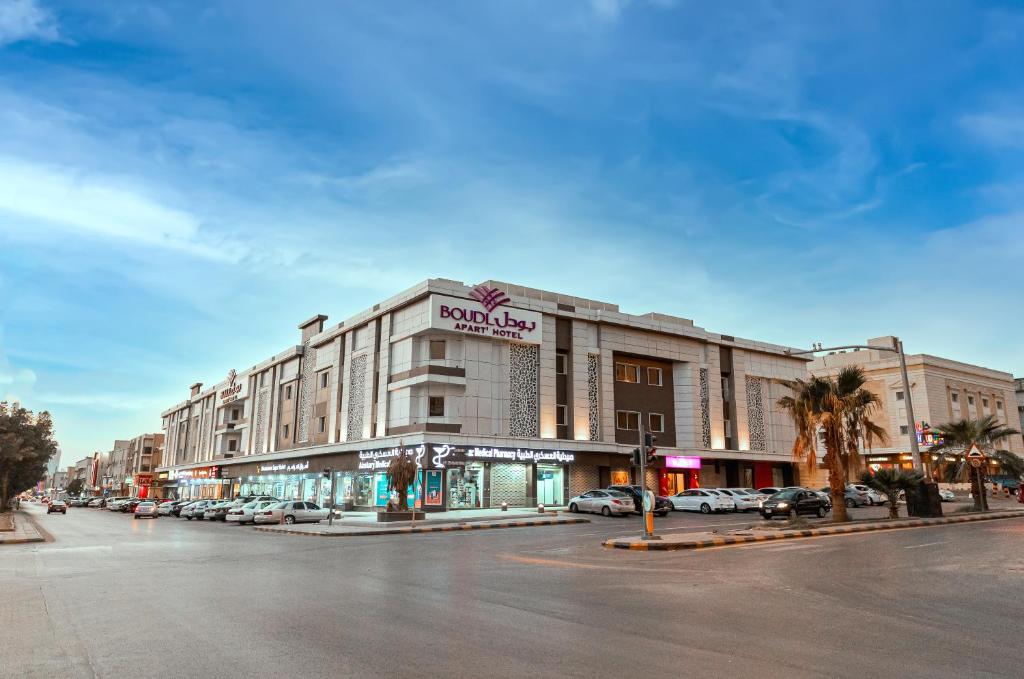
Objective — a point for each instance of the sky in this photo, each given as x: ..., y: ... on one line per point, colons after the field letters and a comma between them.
x: 182, y: 183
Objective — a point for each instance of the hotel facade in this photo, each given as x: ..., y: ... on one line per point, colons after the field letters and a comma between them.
x: 504, y: 394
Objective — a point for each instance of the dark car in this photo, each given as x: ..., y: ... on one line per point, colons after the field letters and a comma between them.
x: 662, y: 505
x: 794, y: 501
x: 179, y: 505
x: 57, y: 506
x: 129, y: 505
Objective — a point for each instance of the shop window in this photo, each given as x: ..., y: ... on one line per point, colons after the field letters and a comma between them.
x: 561, y: 363
x: 899, y: 395
x: 436, y: 406
x: 628, y: 420
x: 322, y: 424
x: 655, y: 422
x: 464, y: 486
x: 438, y: 350
x: 654, y: 377
x: 627, y: 372
x: 561, y: 416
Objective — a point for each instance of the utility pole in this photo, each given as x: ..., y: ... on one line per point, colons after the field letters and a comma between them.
x: 915, y: 450
x: 645, y: 512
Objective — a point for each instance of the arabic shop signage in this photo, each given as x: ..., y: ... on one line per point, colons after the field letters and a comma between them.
x: 520, y: 455
x: 682, y: 462
x: 200, y: 473
x: 439, y: 456
x: 380, y: 459
x: 282, y: 467
x: 233, y: 390
x: 475, y: 317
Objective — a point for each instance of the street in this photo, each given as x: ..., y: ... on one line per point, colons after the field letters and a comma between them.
x: 113, y: 597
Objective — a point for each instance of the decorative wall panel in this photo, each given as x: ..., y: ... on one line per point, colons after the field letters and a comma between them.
x: 593, y: 396
x: 705, y: 410
x: 508, y: 484
x: 755, y: 413
x: 524, y: 378
x: 307, y: 383
x: 262, y: 400
x: 356, y: 398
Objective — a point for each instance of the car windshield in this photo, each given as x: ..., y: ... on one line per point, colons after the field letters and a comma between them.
x: 785, y: 494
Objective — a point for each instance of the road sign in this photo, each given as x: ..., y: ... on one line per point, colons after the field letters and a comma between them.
x: 974, y: 453
x: 648, y: 501
x: 975, y: 462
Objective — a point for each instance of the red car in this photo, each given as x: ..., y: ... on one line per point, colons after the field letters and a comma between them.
x: 57, y: 506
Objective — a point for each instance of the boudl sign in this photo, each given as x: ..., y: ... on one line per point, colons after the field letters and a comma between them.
x: 486, y: 315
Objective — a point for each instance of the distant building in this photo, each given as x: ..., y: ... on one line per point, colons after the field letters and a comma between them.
x: 942, y: 389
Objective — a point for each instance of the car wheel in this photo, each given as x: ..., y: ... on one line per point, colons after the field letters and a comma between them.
x: 289, y: 519
x: 574, y: 508
x: 850, y: 503
x: 605, y: 511
x: 705, y: 508
x: 821, y: 512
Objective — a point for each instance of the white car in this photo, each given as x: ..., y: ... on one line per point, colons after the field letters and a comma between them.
x: 291, y: 512
x: 702, y: 500
x: 606, y: 502
x: 946, y: 495
x: 114, y: 503
x: 746, y: 499
x: 244, y: 514
x: 874, y: 497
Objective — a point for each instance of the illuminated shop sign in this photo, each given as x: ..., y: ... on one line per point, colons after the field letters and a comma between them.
x: 380, y: 459
x: 682, y: 462
x: 486, y: 316
x: 200, y: 473
x: 520, y: 455
x: 234, y: 390
x: 282, y: 467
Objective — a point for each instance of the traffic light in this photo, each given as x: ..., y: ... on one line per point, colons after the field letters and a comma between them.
x: 649, y: 449
x: 636, y: 457
x: 327, y: 474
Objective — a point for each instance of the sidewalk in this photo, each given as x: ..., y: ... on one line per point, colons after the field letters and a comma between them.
x: 703, y: 540
x: 24, y: 531
x: 354, y: 524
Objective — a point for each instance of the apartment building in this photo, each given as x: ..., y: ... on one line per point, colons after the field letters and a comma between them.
x: 1018, y: 385
x: 942, y: 390
x: 505, y: 394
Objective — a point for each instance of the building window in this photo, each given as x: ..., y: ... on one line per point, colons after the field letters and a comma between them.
x: 627, y: 372
x: 263, y: 379
x: 904, y: 430
x: 437, y: 350
x: 288, y: 393
x: 234, y: 413
x: 284, y: 431
x: 627, y: 419
x: 322, y: 424
x: 323, y: 380
x: 970, y: 400
x: 899, y: 395
x: 655, y: 422
x: 437, y: 406
x: 654, y: 377
x: 984, y: 403
x: 999, y: 406
x: 561, y: 361
x: 955, y: 397
x: 233, y: 445
x: 561, y: 416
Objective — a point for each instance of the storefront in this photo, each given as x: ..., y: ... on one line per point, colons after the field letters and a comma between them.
x: 679, y: 473
x: 200, y: 483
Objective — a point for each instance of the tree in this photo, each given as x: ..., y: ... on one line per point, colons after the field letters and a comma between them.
x: 402, y: 474
x: 956, y: 439
x: 890, y: 483
x: 836, y: 409
x: 75, y: 488
x: 26, y: 445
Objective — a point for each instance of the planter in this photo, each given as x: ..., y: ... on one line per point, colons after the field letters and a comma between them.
x: 386, y: 517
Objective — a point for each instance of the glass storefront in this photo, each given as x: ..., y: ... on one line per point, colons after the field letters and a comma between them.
x: 465, y: 486
x: 550, y: 482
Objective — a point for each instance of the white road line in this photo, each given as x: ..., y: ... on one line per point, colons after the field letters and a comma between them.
x: 927, y: 544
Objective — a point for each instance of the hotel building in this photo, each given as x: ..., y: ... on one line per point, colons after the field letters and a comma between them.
x: 505, y: 394
x: 942, y: 390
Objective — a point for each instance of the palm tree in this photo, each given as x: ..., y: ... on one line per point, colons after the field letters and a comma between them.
x: 837, y: 410
x: 401, y: 474
x: 956, y: 439
x: 890, y: 483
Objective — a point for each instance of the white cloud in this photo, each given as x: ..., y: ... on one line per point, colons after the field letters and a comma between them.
x: 26, y: 20
x: 1002, y: 129
x: 97, y: 206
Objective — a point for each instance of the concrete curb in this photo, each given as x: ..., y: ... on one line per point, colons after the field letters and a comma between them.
x: 658, y: 545
x: 427, y: 529
x: 40, y: 534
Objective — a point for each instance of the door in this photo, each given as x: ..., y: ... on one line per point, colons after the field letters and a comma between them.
x: 583, y: 503
x: 597, y: 500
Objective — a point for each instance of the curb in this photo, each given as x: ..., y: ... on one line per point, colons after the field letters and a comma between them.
x: 41, y: 535
x: 428, y: 529
x: 807, y: 533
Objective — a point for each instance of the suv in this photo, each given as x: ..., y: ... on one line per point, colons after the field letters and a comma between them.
x: 662, y: 505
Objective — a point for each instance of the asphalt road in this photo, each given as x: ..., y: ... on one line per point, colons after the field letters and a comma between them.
x: 114, y: 597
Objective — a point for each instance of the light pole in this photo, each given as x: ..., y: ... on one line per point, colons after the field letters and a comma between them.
x: 897, y: 348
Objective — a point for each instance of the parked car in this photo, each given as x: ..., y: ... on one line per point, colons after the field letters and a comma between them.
x: 793, y: 501
x: 291, y: 512
x: 57, y: 506
x: 946, y: 495
x: 746, y: 499
x: 199, y: 509
x: 77, y: 501
x: 145, y: 509
x: 703, y: 500
x: 662, y: 505
x: 129, y: 505
x: 96, y: 503
x: 244, y: 514
x: 180, y: 505
x: 114, y: 503
x: 874, y: 497
x: 245, y: 499
x: 163, y: 507
x: 851, y: 497
x: 218, y: 510
x: 188, y: 511
x: 768, y: 491
x: 606, y: 502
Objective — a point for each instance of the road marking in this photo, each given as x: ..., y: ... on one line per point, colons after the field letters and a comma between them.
x: 927, y: 544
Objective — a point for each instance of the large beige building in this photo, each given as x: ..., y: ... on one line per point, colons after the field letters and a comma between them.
x: 942, y: 390
x: 505, y: 393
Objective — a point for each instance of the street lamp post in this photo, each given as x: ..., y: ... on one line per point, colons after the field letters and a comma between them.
x: 897, y: 348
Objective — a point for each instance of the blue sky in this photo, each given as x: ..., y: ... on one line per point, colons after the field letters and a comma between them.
x: 181, y: 183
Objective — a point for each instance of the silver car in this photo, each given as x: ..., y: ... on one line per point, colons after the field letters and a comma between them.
x: 244, y: 514
x: 605, y: 502
x: 291, y: 512
x: 145, y: 510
